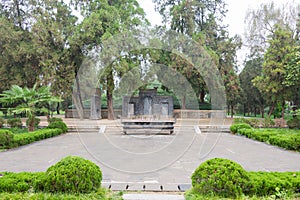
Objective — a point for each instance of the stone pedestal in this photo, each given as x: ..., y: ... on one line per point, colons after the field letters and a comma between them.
x: 96, y: 105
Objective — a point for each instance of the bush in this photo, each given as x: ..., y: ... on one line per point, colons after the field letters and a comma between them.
x: 54, y: 119
x: 59, y: 124
x: 36, y: 121
x: 268, y: 183
x: 294, y: 123
x: 267, y: 122
x: 220, y: 177
x: 71, y: 175
x: 285, y: 138
x: 18, y: 182
x: 235, y: 127
x: 2, y: 122
x: 27, y: 138
x: 14, y: 122
x: 6, y: 138
x: 251, y: 121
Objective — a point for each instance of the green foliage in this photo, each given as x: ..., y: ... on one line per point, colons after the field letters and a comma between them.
x: 14, y: 122
x: 18, y: 182
x: 271, y: 183
x: 54, y: 119
x: 71, y: 175
x: 28, y: 100
x: 251, y: 121
x: 235, y: 127
x: 268, y: 122
x: 285, y: 138
x: 36, y: 121
x: 27, y: 138
x: 102, y: 194
x: 2, y: 122
x: 6, y: 138
x: 59, y: 124
x: 220, y: 177
x: 294, y: 123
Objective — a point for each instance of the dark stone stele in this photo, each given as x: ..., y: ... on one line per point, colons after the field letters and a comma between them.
x: 148, y: 111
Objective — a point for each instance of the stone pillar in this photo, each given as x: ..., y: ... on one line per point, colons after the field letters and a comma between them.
x: 96, y: 105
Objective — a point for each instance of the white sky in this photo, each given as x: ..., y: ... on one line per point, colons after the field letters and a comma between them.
x: 235, y: 16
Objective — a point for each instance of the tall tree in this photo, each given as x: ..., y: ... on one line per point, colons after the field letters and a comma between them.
x: 271, y: 82
x: 102, y: 20
x: 253, y: 97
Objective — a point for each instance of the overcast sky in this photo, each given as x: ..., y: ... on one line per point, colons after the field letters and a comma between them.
x: 235, y: 17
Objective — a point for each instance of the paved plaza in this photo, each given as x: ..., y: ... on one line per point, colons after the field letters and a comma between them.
x: 148, y: 162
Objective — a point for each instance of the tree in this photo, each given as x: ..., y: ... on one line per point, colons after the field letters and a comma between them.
x: 28, y: 101
x: 260, y: 23
x: 253, y: 97
x: 102, y: 20
x: 271, y: 82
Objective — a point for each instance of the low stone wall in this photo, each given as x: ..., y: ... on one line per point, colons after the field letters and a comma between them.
x: 72, y: 113
x: 177, y: 113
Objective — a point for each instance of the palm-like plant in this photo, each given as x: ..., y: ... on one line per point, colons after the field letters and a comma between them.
x: 28, y: 100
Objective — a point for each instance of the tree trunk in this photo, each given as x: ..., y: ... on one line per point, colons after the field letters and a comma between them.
x: 271, y: 110
x: 31, y: 124
x: 244, y: 110
x: 57, y: 108
x: 231, y: 110
x: 202, y: 95
x: 262, y: 110
x: 183, y: 102
x: 282, y: 113
x: 109, y: 95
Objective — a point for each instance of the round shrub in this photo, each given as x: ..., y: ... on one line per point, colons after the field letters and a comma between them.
x: 235, y: 127
x: 220, y: 177
x: 15, y: 122
x: 59, y: 124
x: 294, y: 123
x: 71, y: 175
x: 6, y: 138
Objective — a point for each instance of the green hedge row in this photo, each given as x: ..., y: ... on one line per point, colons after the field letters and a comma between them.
x: 225, y: 178
x: 18, y: 182
x: 269, y: 183
x: 102, y: 194
x: 285, y: 138
x: 71, y: 175
x: 9, y: 140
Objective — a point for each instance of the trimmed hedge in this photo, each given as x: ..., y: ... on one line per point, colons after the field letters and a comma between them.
x: 221, y: 177
x: 6, y: 138
x: 284, y: 138
x: 102, y: 194
x: 235, y: 127
x: 54, y: 119
x: 59, y: 124
x: 267, y: 183
x: 72, y: 174
x: 18, y: 182
x: 225, y: 178
x: 9, y: 140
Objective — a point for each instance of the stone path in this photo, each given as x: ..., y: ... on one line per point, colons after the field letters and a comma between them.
x: 149, y: 162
